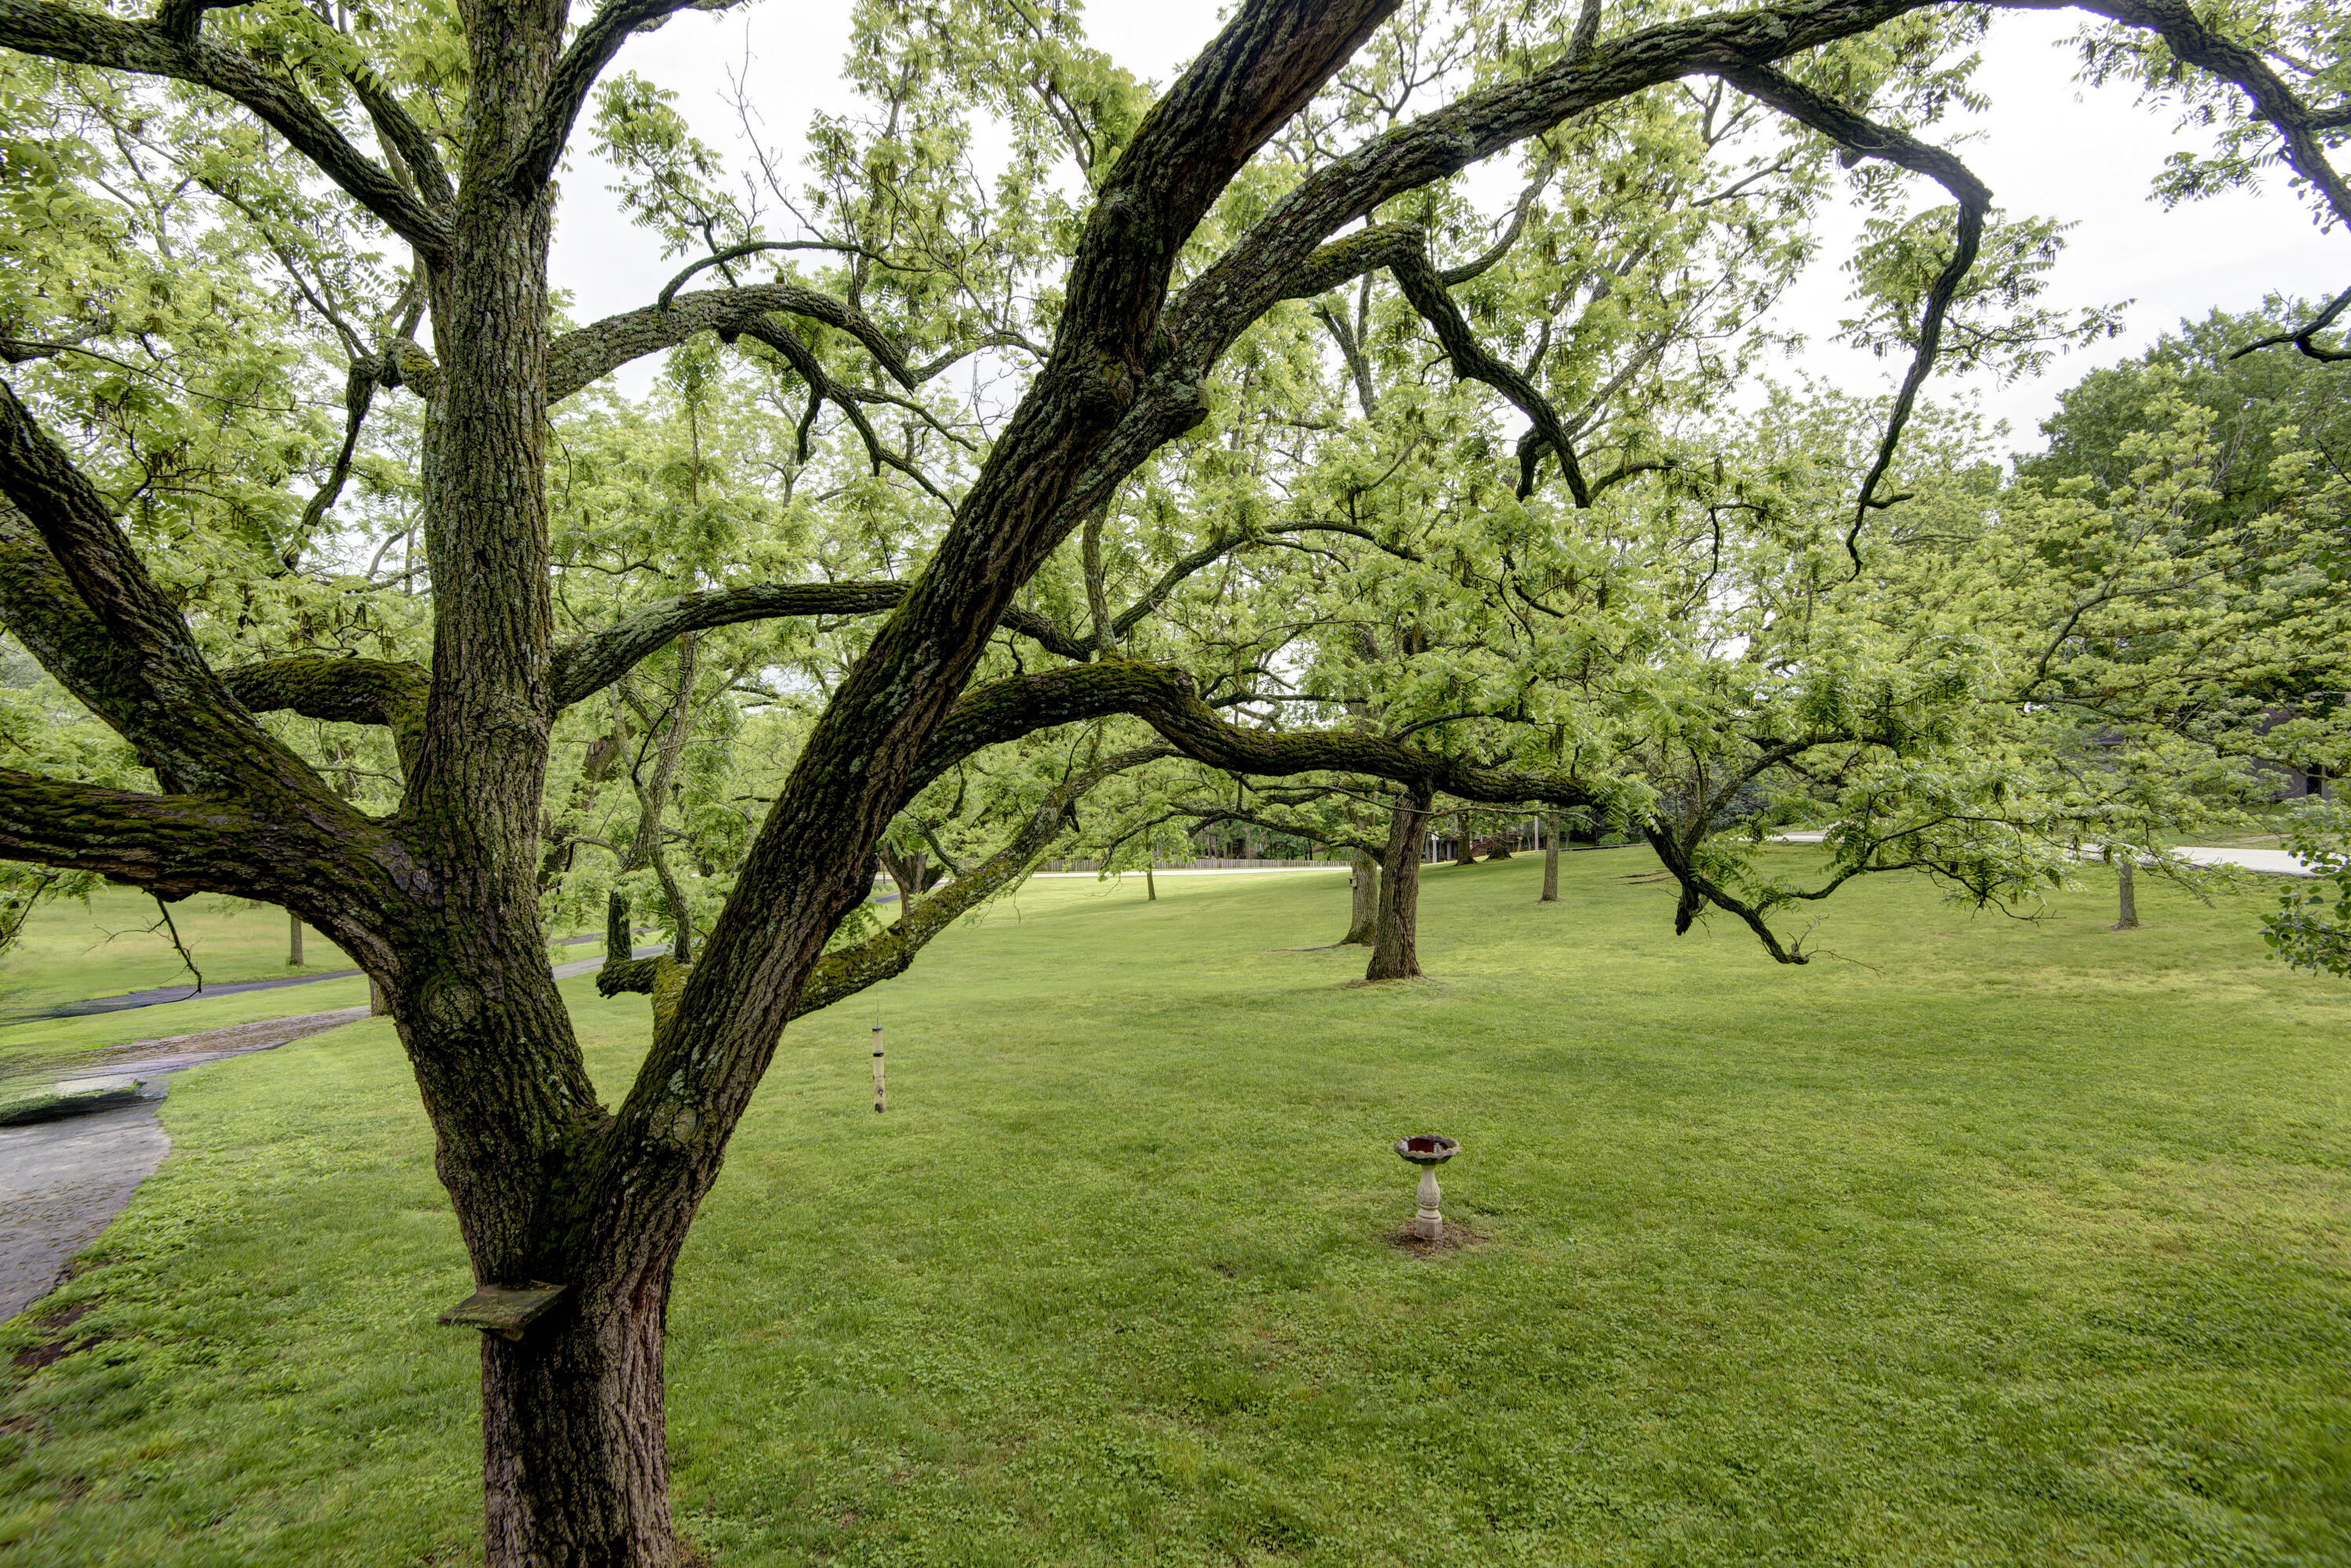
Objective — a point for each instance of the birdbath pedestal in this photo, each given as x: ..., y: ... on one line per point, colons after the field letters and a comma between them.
x: 1428, y: 1151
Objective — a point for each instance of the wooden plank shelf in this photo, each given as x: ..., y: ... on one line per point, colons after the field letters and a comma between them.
x: 503, y: 1310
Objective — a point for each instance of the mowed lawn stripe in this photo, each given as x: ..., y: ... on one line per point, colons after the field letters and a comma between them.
x: 1987, y: 1241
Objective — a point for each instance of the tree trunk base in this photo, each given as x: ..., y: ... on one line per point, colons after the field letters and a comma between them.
x: 575, y: 1453
x: 1394, y: 950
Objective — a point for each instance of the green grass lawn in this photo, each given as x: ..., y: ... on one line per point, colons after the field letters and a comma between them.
x: 2000, y: 1242
x: 117, y: 943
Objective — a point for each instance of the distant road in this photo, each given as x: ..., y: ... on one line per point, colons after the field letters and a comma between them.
x: 162, y: 994
x: 2272, y: 862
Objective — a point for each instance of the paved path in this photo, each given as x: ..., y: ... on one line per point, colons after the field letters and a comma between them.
x: 2276, y: 863
x: 1204, y: 870
x: 161, y: 994
x: 61, y: 1184
x: 2272, y: 862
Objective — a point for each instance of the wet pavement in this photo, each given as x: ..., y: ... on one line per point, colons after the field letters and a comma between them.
x: 61, y: 1184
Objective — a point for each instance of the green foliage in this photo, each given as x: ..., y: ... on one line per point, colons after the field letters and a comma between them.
x: 2311, y: 929
x: 2262, y: 405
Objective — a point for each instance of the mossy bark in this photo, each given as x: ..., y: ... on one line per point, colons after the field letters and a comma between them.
x: 1395, y: 953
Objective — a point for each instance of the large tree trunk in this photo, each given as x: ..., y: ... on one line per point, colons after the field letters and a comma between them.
x: 1363, y: 883
x: 575, y: 1456
x: 1551, y: 858
x: 1395, y: 954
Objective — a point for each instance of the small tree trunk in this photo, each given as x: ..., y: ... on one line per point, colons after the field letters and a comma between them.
x: 1550, y: 860
x: 1395, y: 954
x: 1150, y: 883
x: 618, y: 947
x: 1364, y: 882
x: 906, y: 872
x: 2128, y: 916
x: 294, y: 939
x: 575, y: 1455
x: 1462, y: 853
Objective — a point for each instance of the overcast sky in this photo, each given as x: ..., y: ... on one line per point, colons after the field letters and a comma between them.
x: 2051, y: 146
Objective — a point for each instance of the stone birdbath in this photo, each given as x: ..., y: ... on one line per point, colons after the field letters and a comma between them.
x: 1428, y: 1151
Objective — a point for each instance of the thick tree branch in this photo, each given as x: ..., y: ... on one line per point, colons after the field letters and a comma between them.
x: 172, y: 845
x: 578, y: 359
x: 846, y: 971
x: 589, y: 664
x: 591, y: 50
x: 1164, y: 697
x: 82, y: 36
x: 1267, y: 263
x: 341, y: 690
x: 585, y: 666
x: 2187, y: 36
x: 77, y: 594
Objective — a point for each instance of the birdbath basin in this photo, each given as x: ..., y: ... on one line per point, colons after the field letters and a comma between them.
x: 1428, y: 1151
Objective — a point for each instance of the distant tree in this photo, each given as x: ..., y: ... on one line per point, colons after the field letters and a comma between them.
x: 2253, y: 398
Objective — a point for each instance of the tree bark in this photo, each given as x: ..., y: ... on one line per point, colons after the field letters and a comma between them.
x: 1363, y: 884
x: 1395, y: 954
x: 2127, y: 914
x: 1150, y: 883
x: 1551, y: 858
x: 293, y: 940
x: 1498, y: 848
x: 1462, y: 853
x: 575, y: 1456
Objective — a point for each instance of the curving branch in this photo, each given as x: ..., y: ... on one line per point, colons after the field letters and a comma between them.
x: 752, y: 247
x: 79, y: 598
x: 1869, y: 139
x: 2302, y: 336
x: 342, y: 690
x: 1267, y: 263
x: 1403, y: 250
x: 358, y: 397
x: 579, y: 358
x: 846, y: 971
x: 587, y: 664
x: 2193, y: 40
x: 78, y: 36
x: 1164, y: 698
x: 820, y: 384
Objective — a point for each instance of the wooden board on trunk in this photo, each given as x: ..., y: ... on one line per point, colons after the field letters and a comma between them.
x: 505, y: 1309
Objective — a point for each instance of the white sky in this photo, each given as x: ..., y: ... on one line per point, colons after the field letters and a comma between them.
x: 2051, y: 147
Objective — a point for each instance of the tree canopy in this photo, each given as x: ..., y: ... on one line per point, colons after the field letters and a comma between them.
x: 1053, y: 436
